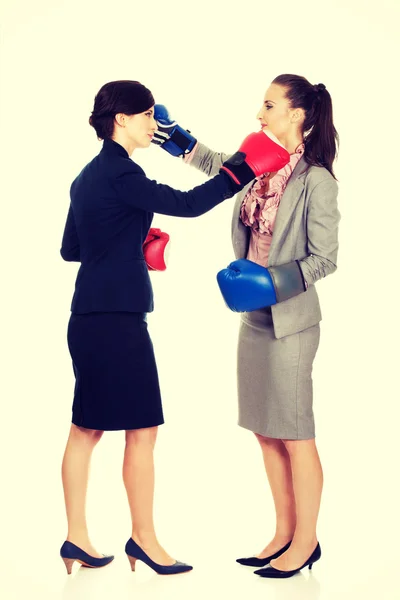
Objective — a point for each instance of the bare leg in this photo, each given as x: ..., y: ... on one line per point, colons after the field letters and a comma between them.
x: 138, y: 475
x: 307, y: 484
x: 279, y: 473
x: 75, y: 474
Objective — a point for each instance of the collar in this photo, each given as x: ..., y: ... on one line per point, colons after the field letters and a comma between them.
x: 300, y: 171
x: 111, y: 147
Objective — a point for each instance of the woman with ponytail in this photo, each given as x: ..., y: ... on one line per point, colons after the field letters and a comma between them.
x: 286, y: 217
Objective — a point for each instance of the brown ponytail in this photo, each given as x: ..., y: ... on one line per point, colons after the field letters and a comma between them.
x: 320, y: 136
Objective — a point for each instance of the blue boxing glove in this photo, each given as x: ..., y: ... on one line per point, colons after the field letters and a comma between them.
x: 247, y: 286
x: 170, y: 136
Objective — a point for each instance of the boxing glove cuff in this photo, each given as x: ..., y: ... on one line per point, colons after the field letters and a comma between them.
x: 238, y: 169
x: 180, y: 142
x: 288, y: 280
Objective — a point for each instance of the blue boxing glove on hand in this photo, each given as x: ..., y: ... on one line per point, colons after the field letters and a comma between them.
x: 170, y: 136
x: 247, y: 286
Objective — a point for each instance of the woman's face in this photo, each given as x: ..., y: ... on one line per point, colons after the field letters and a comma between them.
x: 276, y: 115
x: 140, y: 128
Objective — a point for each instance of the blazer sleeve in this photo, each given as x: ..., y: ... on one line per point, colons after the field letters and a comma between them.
x: 322, y: 232
x: 136, y: 190
x: 70, y: 249
x: 206, y: 160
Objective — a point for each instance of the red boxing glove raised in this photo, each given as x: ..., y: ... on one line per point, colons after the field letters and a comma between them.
x: 156, y: 249
x: 259, y: 153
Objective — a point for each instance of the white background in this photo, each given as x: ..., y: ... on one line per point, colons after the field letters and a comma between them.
x: 210, y: 63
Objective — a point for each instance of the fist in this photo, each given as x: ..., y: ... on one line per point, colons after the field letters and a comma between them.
x: 156, y: 249
x: 246, y: 286
x: 259, y: 153
x: 171, y: 136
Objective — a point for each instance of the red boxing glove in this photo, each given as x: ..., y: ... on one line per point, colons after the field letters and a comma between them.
x: 259, y: 153
x: 156, y: 249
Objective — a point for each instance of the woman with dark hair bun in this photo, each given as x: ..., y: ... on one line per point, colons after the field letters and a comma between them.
x: 117, y: 388
x: 285, y: 238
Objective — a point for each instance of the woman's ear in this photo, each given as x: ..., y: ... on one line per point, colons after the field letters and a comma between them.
x: 298, y: 116
x: 120, y: 118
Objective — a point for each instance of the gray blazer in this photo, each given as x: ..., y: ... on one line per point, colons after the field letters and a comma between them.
x: 306, y: 229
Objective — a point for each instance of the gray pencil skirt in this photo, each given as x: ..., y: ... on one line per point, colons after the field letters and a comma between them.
x: 275, y: 389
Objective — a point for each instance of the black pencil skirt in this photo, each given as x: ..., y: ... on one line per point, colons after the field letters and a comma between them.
x: 116, y: 379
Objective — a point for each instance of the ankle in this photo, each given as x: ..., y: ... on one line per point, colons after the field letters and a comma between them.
x: 305, y: 540
x: 78, y: 540
x: 78, y: 533
x: 145, y: 539
x: 285, y: 535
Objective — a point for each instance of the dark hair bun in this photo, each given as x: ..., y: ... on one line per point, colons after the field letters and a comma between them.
x: 128, y: 97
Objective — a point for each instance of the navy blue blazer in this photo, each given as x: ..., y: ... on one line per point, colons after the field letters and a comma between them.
x: 111, y: 210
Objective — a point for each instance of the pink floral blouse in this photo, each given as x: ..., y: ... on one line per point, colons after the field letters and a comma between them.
x: 260, y: 206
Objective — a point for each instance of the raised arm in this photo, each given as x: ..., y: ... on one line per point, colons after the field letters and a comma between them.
x: 135, y: 189
x: 258, y: 153
x: 177, y: 141
x: 206, y: 160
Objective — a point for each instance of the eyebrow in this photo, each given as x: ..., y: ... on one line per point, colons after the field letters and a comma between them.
x: 271, y: 101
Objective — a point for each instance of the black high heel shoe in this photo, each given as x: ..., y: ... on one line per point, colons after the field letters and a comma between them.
x: 71, y: 553
x: 253, y: 561
x: 135, y: 553
x: 278, y: 574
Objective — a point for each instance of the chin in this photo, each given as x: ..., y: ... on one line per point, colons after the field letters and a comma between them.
x: 143, y: 145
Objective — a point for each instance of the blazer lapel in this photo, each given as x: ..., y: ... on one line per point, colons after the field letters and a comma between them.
x: 287, y: 205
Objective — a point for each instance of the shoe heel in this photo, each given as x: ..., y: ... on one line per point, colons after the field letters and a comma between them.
x: 68, y: 564
x: 132, y: 561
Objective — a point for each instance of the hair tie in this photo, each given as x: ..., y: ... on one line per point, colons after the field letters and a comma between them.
x: 319, y: 87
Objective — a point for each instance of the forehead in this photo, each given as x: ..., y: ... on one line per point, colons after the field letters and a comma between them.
x: 275, y: 93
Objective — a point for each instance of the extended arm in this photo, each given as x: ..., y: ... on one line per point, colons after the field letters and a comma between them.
x: 177, y: 141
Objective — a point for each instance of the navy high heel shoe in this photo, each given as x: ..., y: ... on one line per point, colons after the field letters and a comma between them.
x: 135, y: 553
x: 278, y: 574
x: 71, y: 553
x: 253, y: 561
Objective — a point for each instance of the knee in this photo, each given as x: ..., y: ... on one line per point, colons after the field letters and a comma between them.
x: 146, y: 436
